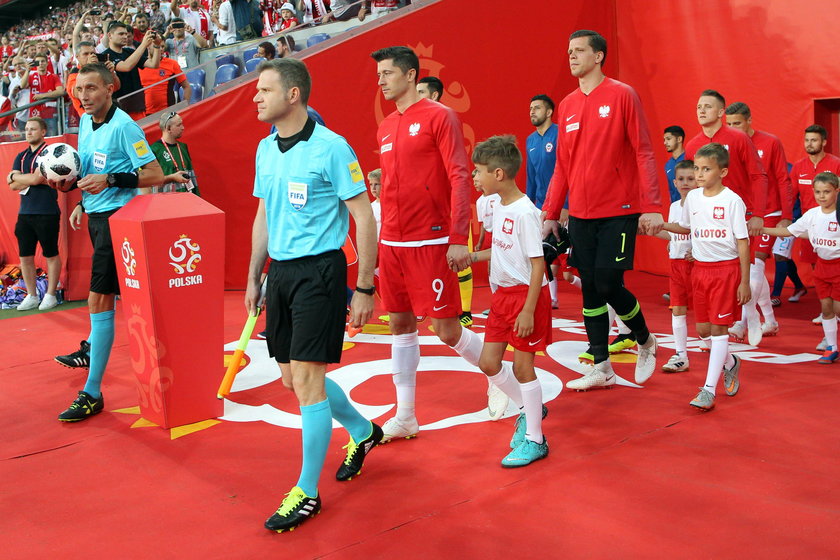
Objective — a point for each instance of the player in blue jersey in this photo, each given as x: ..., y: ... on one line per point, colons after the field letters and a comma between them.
x: 116, y: 162
x: 540, y: 145
x: 308, y: 181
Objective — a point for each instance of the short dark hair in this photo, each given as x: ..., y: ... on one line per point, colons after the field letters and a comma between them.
x: 41, y: 122
x: 499, y: 152
x: 713, y: 93
x: 739, y: 108
x: 827, y: 177
x: 675, y: 130
x: 434, y: 84
x: 685, y: 164
x: 288, y: 40
x: 115, y: 24
x: 716, y: 152
x: 268, y: 48
x: 545, y: 99
x: 98, y: 68
x: 817, y: 129
x: 404, y: 58
x: 596, y: 41
x: 292, y: 73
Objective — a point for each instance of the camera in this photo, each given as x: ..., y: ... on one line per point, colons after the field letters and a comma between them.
x: 179, y: 25
x: 96, y: 12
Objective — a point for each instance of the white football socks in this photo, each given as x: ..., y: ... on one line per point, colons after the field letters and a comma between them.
x: 405, y: 357
x: 532, y: 406
x: 508, y: 384
x: 680, y: 327
x: 830, y: 330
x: 718, y: 356
x: 469, y: 346
x: 761, y: 290
x: 552, y: 289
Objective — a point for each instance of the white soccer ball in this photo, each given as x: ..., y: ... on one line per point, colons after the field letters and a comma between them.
x: 59, y: 161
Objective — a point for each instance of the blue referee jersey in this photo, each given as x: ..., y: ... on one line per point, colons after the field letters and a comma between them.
x: 542, y: 156
x: 304, y: 189
x: 117, y: 145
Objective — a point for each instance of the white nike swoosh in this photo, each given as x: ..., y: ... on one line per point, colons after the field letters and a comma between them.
x: 441, y: 307
x: 531, y: 149
x: 534, y: 343
x: 570, y: 118
x: 722, y: 316
x: 385, y: 137
x: 803, y: 174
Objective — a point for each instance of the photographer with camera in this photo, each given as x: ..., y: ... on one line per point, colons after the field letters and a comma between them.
x: 184, y: 44
x: 174, y: 156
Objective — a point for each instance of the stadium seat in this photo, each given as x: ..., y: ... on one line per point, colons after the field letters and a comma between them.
x: 252, y: 63
x: 223, y: 59
x: 317, y: 38
x: 249, y: 54
x: 225, y: 73
x: 197, y: 76
x: 197, y: 93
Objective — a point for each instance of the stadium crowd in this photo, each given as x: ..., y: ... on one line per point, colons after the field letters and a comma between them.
x: 40, y: 57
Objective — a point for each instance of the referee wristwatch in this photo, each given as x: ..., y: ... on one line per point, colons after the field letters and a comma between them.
x: 367, y: 291
x: 112, y: 180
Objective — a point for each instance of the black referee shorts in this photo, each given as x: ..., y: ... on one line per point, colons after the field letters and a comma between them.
x: 32, y: 229
x: 307, y: 308
x: 603, y: 242
x: 103, y: 276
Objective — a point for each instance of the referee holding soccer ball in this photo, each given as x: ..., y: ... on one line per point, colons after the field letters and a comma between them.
x: 116, y: 162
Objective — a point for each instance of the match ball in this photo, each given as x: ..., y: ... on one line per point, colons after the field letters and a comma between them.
x: 59, y: 161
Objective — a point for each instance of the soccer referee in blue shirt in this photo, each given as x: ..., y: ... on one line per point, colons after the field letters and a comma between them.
x: 307, y: 179
x: 116, y: 162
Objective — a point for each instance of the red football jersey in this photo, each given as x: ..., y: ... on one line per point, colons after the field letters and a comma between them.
x: 426, y: 184
x: 746, y: 174
x: 604, y: 156
x: 779, y: 190
x: 802, y: 175
x: 42, y: 84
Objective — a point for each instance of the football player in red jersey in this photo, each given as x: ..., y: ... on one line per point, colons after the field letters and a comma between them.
x: 605, y: 164
x: 425, y: 201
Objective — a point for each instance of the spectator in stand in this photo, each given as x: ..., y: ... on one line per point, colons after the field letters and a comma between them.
x: 343, y: 10
x: 57, y: 59
x: 313, y: 10
x: 248, y: 17
x: 38, y: 218
x: 185, y: 43
x: 163, y: 81
x: 287, y: 17
x: 195, y: 16
x: 266, y: 50
x: 43, y: 84
x: 85, y: 54
x: 19, y: 91
x: 225, y: 23
x: 285, y: 46
x: 128, y: 61
x: 174, y: 156
x: 159, y: 16
x: 141, y: 25
x: 6, y: 49
x: 382, y: 7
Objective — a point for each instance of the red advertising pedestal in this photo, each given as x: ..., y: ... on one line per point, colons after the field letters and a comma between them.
x: 170, y: 255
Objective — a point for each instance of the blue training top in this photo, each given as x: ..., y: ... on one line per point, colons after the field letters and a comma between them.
x: 542, y: 156
x: 117, y: 145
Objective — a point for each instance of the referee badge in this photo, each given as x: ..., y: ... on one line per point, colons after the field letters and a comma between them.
x: 297, y: 195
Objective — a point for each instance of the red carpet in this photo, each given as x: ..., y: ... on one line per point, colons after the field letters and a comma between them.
x: 632, y: 473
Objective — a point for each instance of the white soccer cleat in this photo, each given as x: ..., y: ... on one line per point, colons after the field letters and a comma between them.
x: 738, y: 331
x: 601, y: 375
x: 646, y: 360
x: 31, y: 301
x: 675, y: 364
x: 822, y: 345
x: 817, y: 320
x: 497, y: 402
x: 396, y: 428
x: 769, y: 329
